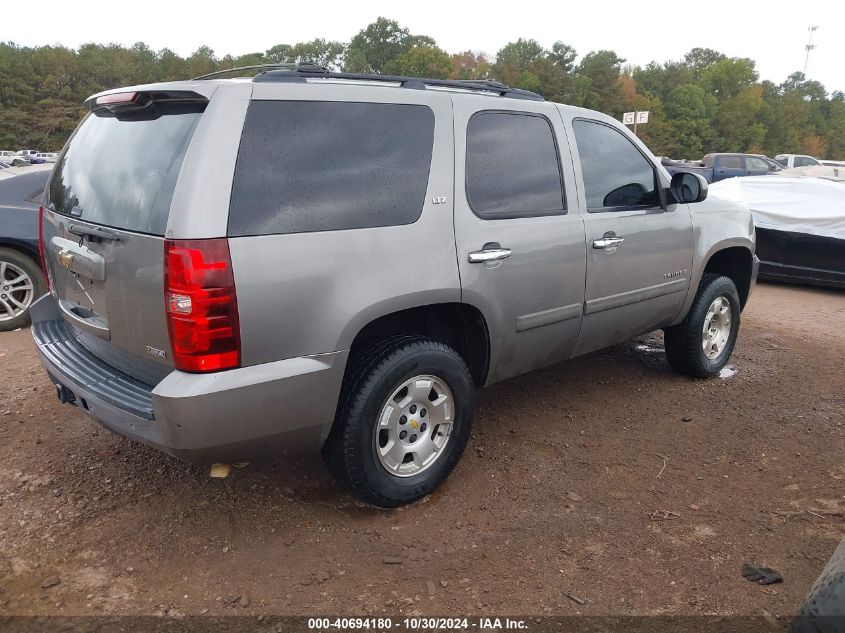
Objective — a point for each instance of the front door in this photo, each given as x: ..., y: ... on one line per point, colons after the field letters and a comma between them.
x: 639, y: 249
x: 520, y: 248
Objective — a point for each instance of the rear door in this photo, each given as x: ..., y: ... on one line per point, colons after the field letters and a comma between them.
x: 520, y: 238
x: 107, y: 207
x: 639, y: 249
x: 728, y: 167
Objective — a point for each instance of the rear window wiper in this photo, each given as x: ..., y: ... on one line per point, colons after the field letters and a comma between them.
x: 95, y: 232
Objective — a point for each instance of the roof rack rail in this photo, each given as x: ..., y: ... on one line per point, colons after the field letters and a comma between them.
x: 263, y: 67
x: 301, y: 72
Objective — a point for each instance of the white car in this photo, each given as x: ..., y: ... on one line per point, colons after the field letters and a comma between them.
x: 833, y: 163
x: 12, y: 158
x: 49, y: 157
x: 796, y: 160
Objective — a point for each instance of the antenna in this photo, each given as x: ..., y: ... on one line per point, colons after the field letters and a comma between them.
x: 809, y: 46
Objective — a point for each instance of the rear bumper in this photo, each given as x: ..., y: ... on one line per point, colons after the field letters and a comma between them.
x: 264, y: 410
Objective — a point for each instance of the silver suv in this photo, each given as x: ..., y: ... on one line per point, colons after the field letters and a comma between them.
x: 252, y: 266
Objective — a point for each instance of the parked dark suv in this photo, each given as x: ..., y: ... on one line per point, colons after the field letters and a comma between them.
x: 21, y: 279
x: 320, y: 259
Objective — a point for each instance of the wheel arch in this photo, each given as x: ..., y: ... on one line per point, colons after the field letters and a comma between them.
x: 459, y: 325
x: 735, y: 262
x: 22, y: 247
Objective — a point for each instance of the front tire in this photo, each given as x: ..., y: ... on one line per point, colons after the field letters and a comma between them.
x: 701, y: 345
x: 403, y: 420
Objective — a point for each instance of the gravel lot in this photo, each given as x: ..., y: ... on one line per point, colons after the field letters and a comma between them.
x: 561, y: 491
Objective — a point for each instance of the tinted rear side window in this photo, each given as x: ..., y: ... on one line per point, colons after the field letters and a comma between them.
x: 308, y: 166
x: 121, y: 171
x: 512, y: 167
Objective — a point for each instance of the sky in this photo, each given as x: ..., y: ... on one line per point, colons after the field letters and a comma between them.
x: 773, y: 33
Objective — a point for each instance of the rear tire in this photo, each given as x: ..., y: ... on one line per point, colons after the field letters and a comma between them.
x: 403, y: 384
x: 702, y: 343
x: 21, y: 283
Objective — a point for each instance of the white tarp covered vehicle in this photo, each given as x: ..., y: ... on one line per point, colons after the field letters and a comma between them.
x: 800, y: 223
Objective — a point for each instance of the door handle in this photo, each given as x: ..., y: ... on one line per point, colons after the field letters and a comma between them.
x: 490, y: 252
x: 608, y: 242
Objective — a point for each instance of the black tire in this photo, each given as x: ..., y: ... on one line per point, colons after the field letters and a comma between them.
x: 370, y: 380
x: 33, y: 270
x: 683, y: 342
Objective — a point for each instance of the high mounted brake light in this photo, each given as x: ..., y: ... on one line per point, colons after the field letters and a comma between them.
x: 120, y: 102
x: 201, y: 305
x: 119, y: 98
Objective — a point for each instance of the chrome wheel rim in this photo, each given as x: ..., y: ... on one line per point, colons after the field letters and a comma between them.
x: 717, y: 328
x: 16, y: 291
x: 414, y: 426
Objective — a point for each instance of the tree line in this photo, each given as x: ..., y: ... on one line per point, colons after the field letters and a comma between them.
x: 705, y: 102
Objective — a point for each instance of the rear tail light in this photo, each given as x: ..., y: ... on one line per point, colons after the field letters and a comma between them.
x: 201, y: 305
x: 42, y: 248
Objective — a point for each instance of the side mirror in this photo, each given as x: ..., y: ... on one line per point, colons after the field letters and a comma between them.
x: 687, y: 187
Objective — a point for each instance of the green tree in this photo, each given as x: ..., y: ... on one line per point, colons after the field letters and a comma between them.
x: 201, y: 62
x: 699, y: 59
x: 661, y: 79
x: 378, y: 45
x: 736, y: 121
x: 687, y: 112
x: 603, y: 69
x: 727, y: 77
x: 425, y: 61
x: 321, y: 52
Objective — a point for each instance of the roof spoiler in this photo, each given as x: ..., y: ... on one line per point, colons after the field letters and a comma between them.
x: 131, y: 100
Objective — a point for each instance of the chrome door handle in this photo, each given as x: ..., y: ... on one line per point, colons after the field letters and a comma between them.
x: 489, y: 254
x: 608, y: 242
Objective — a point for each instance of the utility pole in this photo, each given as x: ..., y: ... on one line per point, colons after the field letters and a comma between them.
x: 810, y: 46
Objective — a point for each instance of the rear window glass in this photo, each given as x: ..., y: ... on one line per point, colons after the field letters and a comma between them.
x: 121, y: 171
x: 321, y: 166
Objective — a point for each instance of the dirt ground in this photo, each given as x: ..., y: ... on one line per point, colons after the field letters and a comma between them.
x: 559, y: 492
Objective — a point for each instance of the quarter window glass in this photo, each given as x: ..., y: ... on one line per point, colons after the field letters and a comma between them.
x: 616, y: 174
x: 307, y: 166
x: 512, y: 167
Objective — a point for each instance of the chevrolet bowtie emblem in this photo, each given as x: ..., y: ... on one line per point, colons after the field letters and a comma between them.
x: 65, y: 258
